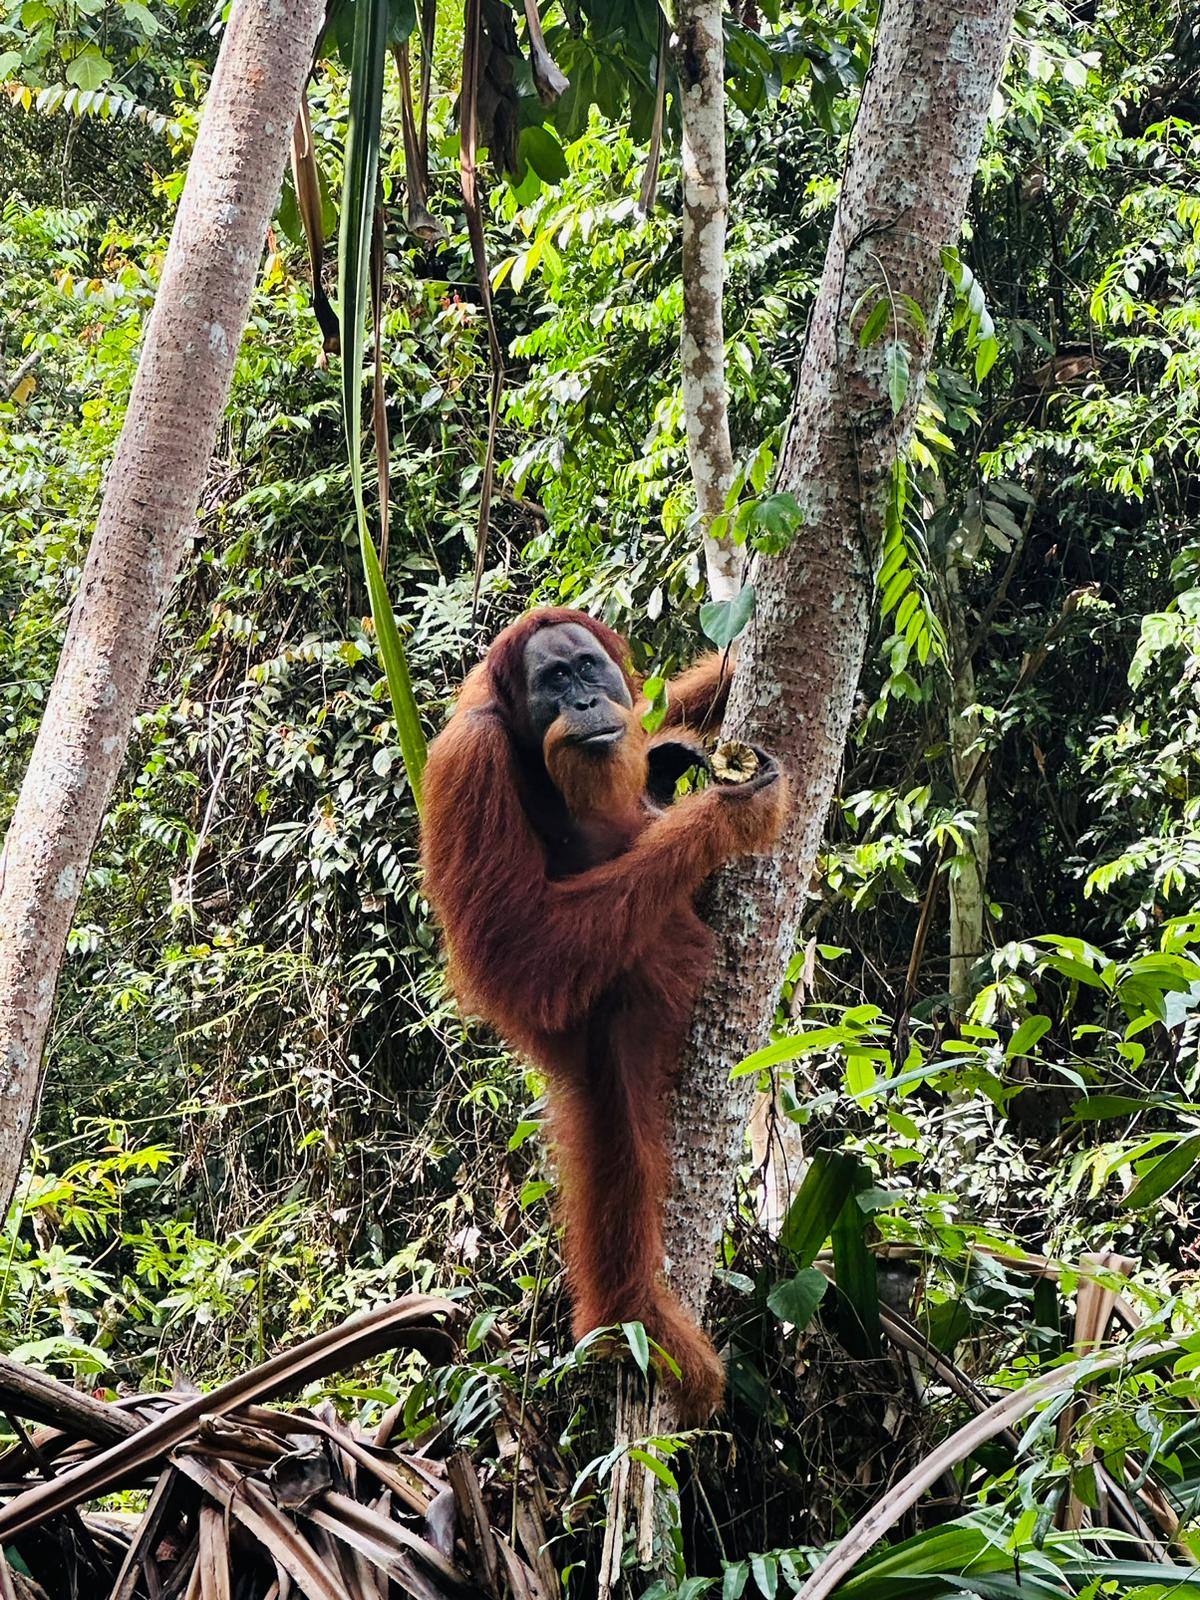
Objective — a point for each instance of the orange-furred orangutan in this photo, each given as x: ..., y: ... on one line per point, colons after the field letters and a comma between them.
x: 565, y: 874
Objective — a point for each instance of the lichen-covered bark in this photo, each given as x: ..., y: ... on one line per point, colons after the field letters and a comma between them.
x: 146, y: 519
x: 698, y: 49
x: 908, y: 175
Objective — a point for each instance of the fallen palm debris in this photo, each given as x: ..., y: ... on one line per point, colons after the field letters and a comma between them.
x: 249, y: 1502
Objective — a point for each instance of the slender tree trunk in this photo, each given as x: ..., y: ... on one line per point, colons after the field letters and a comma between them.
x: 699, y: 52
x: 968, y: 878
x: 908, y: 176
x: 146, y: 520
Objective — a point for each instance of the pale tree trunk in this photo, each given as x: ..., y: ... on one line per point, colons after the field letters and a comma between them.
x: 908, y: 176
x: 968, y: 878
x: 146, y: 520
x: 699, y: 53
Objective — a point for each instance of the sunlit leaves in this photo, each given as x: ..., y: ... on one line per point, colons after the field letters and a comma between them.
x: 971, y: 314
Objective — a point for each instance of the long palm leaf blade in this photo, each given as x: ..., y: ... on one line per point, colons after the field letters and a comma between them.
x: 368, y: 55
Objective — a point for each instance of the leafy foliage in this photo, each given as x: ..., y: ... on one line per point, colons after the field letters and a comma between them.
x: 261, y: 1109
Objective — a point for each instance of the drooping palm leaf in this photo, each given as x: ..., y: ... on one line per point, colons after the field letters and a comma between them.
x: 307, y: 182
x: 548, y: 78
x: 368, y: 57
x: 421, y: 223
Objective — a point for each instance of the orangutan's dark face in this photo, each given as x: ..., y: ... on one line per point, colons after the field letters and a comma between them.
x: 572, y: 681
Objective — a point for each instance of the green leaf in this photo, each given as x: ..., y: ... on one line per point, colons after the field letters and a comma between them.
x: 523, y: 1131
x: 660, y: 1469
x: 1100, y: 1107
x: 1026, y: 1036
x: 692, y: 1588
x: 89, y: 69
x: 288, y: 214
x: 915, y: 314
x: 854, y: 1269
x: 368, y: 54
x: 639, y: 1344
x: 795, y: 1299
x: 734, y: 1581
x: 985, y: 356
x: 1162, y: 1175
x: 723, y: 621
x: 860, y: 1074
x: 766, y: 1575
x: 142, y: 15
x: 873, y: 327
x: 402, y: 19
x: 811, y: 1215
x: 778, y: 514
x: 544, y: 154
x: 897, y: 375
x: 409, y: 733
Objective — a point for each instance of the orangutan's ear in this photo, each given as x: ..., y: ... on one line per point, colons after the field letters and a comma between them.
x: 667, y: 760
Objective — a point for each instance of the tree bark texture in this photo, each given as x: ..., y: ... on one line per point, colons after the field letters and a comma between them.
x: 699, y: 53
x: 908, y: 176
x: 146, y: 519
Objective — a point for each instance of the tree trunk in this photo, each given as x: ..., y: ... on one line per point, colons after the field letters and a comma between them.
x: 699, y: 52
x: 146, y: 519
x: 907, y: 180
x: 968, y: 876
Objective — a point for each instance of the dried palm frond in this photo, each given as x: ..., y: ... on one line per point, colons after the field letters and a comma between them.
x: 249, y: 1502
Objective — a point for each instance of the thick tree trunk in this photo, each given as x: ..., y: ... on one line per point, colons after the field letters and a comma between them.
x: 699, y: 53
x: 908, y: 176
x: 146, y: 520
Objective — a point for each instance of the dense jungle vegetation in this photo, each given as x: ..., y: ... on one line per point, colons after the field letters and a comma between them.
x: 262, y: 1109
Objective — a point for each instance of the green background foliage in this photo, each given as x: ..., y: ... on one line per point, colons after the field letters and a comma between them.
x: 262, y: 1109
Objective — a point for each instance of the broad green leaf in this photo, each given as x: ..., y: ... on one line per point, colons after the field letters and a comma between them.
x: 692, y: 1588
x: 985, y: 357
x: 402, y: 19
x: 795, y: 1299
x: 89, y: 69
x: 779, y: 513
x: 766, y: 1575
x: 734, y: 1581
x: 544, y: 154
x: 860, y: 1074
x: 854, y: 1268
x: 723, y: 621
x: 811, y: 1215
x: 1026, y: 1036
x: 1100, y: 1107
x: 141, y: 15
x: 914, y: 312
